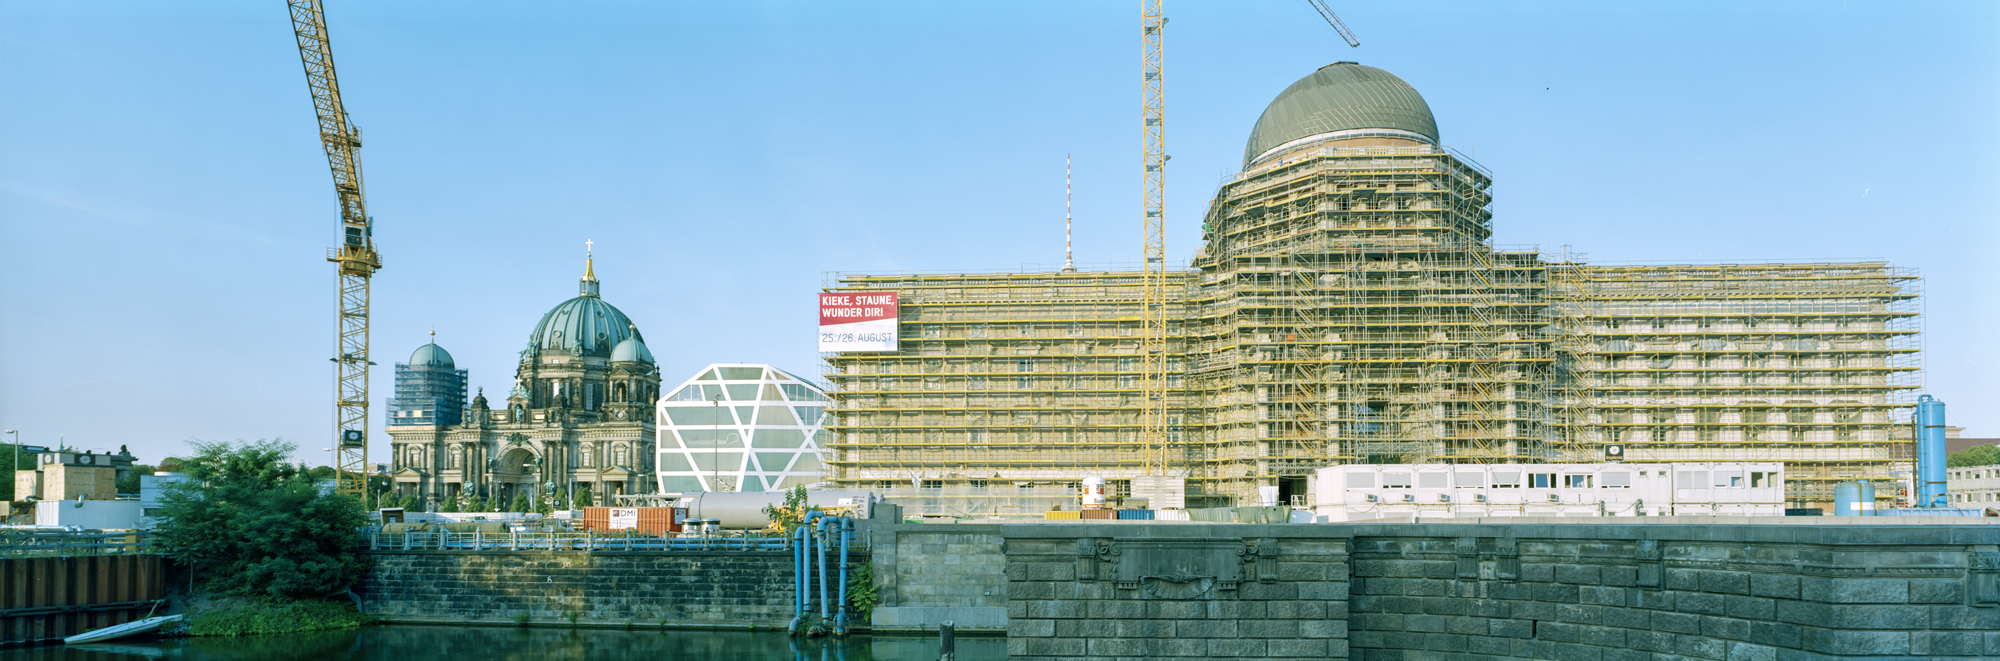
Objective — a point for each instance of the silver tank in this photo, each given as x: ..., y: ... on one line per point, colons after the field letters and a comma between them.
x: 744, y: 510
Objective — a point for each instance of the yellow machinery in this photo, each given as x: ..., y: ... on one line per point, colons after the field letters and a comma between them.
x: 356, y: 256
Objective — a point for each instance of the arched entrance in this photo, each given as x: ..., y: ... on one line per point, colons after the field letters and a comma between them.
x: 516, y: 474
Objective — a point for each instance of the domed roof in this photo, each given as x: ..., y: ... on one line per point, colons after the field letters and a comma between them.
x: 1342, y: 96
x: 431, y: 354
x: 632, y: 350
x: 582, y: 326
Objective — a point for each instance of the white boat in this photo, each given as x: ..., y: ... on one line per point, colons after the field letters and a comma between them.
x: 122, y: 630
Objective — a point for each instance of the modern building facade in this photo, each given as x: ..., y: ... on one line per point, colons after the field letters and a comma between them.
x: 580, y: 416
x: 740, y: 427
x: 1348, y: 306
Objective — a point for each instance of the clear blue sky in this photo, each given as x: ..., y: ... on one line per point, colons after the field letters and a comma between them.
x: 165, y: 208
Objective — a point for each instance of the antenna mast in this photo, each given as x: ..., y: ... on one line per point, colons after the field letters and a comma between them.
x: 1069, y: 261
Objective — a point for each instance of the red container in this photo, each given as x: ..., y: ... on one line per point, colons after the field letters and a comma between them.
x: 655, y: 521
x: 1099, y: 514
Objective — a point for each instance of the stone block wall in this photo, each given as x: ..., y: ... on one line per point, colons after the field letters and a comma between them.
x: 929, y: 574
x: 734, y: 588
x: 1588, y: 592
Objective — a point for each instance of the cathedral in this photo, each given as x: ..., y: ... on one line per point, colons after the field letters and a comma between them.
x: 579, y: 419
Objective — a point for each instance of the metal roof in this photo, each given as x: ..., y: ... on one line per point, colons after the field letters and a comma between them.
x: 1342, y: 96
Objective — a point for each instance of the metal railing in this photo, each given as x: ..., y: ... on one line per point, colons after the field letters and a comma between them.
x: 57, y: 543
x: 584, y: 542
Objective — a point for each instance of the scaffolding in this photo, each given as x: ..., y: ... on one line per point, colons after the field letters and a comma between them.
x: 1813, y: 364
x: 1348, y: 307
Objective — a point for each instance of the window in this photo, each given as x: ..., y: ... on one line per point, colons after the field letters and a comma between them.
x: 1760, y: 480
x: 1360, y: 480
x: 933, y: 484
x: 1576, y: 481
x: 1541, y: 480
x: 1471, y: 480
x: 1023, y: 365
x: 976, y: 484
x: 1691, y: 479
x: 1432, y: 480
x: 1506, y: 479
x: 1396, y: 480
x: 1618, y: 480
x: 1728, y: 479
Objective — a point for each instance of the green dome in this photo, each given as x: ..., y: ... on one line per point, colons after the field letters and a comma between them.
x: 581, y: 326
x: 632, y: 350
x: 431, y: 354
x: 1342, y: 97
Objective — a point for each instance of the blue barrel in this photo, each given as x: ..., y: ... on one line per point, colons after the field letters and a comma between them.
x: 1847, y: 499
x: 1930, y: 453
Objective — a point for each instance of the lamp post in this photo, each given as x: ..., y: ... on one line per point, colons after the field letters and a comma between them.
x: 17, y: 458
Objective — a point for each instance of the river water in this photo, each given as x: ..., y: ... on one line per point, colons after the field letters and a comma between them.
x: 411, y: 642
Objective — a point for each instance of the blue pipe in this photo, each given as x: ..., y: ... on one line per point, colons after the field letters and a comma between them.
x: 823, y: 614
x: 800, y: 571
x: 1930, y: 453
x: 846, y: 526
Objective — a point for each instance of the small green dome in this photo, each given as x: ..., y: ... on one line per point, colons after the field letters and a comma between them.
x: 431, y: 354
x: 631, y: 351
x: 1342, y: 97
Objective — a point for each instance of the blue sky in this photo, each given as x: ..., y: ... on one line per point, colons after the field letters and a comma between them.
x: 165, y: 208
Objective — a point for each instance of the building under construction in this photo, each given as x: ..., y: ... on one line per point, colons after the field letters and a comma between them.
x: 1348, y: 306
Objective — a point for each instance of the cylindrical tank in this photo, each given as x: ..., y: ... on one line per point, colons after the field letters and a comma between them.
x: 1867, y: 502
x: 744, y: 510
x: 1847, y: 499
x: 1093, y: 493
x: 1930, y: 453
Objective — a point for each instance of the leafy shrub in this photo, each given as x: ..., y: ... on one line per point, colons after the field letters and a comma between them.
x: 249, y: 523
x: 257, y: 619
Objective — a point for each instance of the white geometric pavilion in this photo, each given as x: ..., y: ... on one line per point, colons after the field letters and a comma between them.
x: 740, y: 427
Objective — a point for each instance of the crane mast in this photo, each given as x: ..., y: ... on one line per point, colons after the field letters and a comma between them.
x: 356, y: 257
x: 1327, y: 13
x: 1154, y: 426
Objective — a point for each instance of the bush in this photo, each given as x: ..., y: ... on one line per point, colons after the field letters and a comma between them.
x: 521, y: 504
x: 289, y: 617
x: 1977, y: 455
x: 249, y: 523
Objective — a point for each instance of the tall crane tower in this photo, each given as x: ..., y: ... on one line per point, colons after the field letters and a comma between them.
x: 1154, y: 431
x: 356, y: 256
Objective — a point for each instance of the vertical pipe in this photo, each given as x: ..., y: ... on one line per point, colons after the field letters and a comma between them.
x: 823, y: 614
x: 846, y: 526
x: 1930, y: 453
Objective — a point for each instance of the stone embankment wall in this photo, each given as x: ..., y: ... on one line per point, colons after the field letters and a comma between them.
x: 1568, y: 591
x: 929, y: 574
x: 682, y: 588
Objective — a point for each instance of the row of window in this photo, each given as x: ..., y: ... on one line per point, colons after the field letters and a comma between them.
x: 1721, y: 479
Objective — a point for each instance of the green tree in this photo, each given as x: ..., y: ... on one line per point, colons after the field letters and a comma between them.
x: 130, y: 483
x: 787, y: 516
x: 477, y: 504
x: 449, y: 505
x: 521, y: 504
x: 249, y: 523
x: 584, y: 499
x: 1977, y: 455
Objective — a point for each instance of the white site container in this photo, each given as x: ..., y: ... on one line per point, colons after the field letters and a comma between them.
x: 1359, y: 492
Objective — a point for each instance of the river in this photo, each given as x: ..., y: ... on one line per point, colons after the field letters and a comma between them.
x: 408, y: 642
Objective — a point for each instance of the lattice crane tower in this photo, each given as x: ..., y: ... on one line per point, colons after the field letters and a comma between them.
x: 356, y: 256
x: 1154, y: 432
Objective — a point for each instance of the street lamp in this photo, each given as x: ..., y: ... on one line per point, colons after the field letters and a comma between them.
x: 17, y: 458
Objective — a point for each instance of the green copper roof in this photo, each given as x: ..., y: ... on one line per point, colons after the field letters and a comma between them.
x: 1342, y: 96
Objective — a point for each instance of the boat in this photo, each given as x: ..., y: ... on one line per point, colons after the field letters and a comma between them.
x: 127, y: 629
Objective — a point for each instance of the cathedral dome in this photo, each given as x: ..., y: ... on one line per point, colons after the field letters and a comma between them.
x: 582, y: 326
x: 632, y: 350
x: 1341, y: 98
x: 431, y: 354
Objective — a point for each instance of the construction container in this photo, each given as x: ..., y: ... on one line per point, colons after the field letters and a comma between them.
x: 1135, y: 515
x: 1059, y: 515
x: 655, y: 521
x: 1097, y: 514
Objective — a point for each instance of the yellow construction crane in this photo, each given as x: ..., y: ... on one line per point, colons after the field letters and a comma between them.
x: 356, y: 256
x: 1154, y: 431
x: 1327, y: 13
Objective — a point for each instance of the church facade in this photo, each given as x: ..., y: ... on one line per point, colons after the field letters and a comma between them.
x: 580, y: 418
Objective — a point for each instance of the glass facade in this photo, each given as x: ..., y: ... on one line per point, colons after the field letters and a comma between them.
x: 740, y: 428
